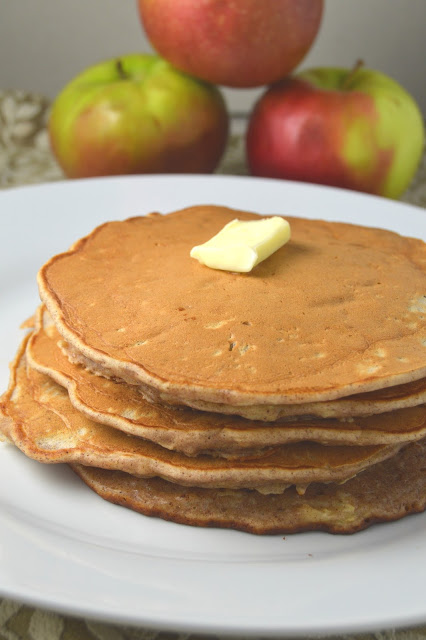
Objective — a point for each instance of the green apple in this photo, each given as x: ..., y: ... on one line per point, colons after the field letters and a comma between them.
x: 357, y: 129
x: 137, y: 114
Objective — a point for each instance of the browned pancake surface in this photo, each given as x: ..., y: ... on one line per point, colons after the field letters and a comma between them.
x: 192, y: 432
x: 338, y: 310
x: 387, y: 491
x: 40, y: 420
x: 410, y: 394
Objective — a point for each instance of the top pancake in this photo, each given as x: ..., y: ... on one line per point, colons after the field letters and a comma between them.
x: 337, y: 311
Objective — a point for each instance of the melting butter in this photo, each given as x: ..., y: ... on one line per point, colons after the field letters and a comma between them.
x: 242, y: 244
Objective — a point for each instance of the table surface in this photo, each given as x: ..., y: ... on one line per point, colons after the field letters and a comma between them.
x: 25, y: 158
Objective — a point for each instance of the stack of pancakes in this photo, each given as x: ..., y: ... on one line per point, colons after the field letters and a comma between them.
x: 290, y: 398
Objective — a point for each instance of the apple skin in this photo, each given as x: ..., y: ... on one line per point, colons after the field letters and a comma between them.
x: 356, y: 129
x: 238, y: 43
x: 137, y: 114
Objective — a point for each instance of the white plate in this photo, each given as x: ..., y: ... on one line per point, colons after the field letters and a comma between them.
x: 63, y: 548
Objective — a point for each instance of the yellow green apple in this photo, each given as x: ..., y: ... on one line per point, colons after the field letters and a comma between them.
x: 243, y: 43
x: 137, y: 114
x: 352, y: 128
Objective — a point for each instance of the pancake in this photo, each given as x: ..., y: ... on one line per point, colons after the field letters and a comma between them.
x: 369, y: 403
x: 287, y: 399
x: 193, y: 432
x: 387, y: 491
x: 289, y: 332
x: 39, y: 419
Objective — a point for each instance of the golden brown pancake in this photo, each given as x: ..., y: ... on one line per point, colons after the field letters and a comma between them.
x: 192, y: 432
x: 45, y: 356
x: 39, y: 419
x: 387, y: 491
x: 319, y: 352
x: 410, y: 394
x: 337, y: 311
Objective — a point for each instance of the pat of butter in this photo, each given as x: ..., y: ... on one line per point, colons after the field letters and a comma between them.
x: 242, y: 244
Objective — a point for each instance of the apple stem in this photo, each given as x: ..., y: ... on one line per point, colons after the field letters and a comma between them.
x: 358, y: 65
x: 120, y: 69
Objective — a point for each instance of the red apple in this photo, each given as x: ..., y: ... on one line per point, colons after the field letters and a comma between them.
x: 356, y: 129
x: 137, y: 114
x: 238, y: 43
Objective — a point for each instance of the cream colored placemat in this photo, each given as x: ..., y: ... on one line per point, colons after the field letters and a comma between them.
x: 25, y: 158
x: 19, y: 622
